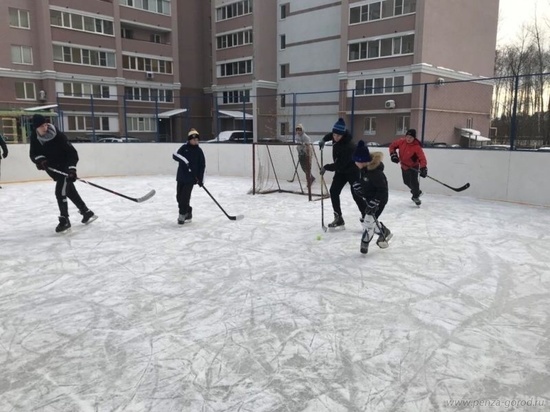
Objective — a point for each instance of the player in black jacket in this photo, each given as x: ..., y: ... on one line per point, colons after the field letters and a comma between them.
x: 372, y: 186
x: 49, y: 148
x: 4, y: 147
x: 343, y: 167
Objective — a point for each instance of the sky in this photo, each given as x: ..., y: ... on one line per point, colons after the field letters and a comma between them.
x: 514, y: 13
x: 270, y: 313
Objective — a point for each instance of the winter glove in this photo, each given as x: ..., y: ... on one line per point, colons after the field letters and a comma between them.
x: 5, y: 154
x: 394, y: 157
x: 42, y: 164
x: 71, y: 176
x: 372, y: 207
x: 200, y: 183
x: 358, y: 189
x: 321, y: 144
x: 423, y: 171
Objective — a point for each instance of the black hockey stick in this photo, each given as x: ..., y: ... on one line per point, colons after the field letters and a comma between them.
x: 133, y: 199
x: 322, y: 196
x: 456, y: 189
x: 238, y: 217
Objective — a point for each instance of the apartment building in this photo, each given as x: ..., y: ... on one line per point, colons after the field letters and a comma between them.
x: 154, y: 68
x: 94, y: 66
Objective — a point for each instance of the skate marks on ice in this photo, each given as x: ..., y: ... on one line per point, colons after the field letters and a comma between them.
x: 135, y: 313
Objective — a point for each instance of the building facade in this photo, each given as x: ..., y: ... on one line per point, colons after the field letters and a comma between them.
x: 153, y: 69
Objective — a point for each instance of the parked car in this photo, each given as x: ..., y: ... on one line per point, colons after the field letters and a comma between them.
x: 121, y: 139
x: 543, y: 149
x: 233, y: 136
x: 496, y: 147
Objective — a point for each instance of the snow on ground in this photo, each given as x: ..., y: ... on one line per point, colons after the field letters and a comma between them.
x: 136, y: 313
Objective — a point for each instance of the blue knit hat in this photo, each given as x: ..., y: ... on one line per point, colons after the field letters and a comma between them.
x: 339, y: 127
x: 361, y: 154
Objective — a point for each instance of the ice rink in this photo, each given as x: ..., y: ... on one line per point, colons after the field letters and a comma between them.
x: 136, y: 313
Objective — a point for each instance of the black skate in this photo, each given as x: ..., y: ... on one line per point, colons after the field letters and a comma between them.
x: 384, y: 237
x: 189, y: 214
x: 182, y: 219
x: 64, y: 224
x: 416, y: 199
x: 88, y: 217
x: 338, y: 222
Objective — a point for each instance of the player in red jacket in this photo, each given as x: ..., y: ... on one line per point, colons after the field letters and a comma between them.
x: 413, y: 162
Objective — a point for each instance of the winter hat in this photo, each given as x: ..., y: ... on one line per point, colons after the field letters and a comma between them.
x: 300, y: 126
x: 192, y: 133
x: 339, y: 127
x: 361, y: 154
x: 38, y: 120
x: 411, y: 132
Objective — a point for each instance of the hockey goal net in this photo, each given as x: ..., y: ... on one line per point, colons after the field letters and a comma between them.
x: 277, y: 168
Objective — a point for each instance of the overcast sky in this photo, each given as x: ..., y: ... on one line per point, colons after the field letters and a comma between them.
x: 514, y: 13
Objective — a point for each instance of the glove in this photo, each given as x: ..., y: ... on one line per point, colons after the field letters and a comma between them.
x: 321, y: 144
x: 394, y: 157
x: 42, y: 164
x: 358, y: 189
x: 372, y: 207
x: 423, y: 172
x: 5, y: 154
x: 200, y: 183
x: 71, y: 176
x: 322, y: 171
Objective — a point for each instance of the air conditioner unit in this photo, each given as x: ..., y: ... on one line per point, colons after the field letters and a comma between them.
x: 42, y: 95
x: 149, y: 75
x: 440, y: 81
x: 390, y: 104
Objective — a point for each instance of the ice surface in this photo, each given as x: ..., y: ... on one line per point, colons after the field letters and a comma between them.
x: 137, y: 313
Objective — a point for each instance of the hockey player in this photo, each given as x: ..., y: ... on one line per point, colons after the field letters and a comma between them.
x: 49, y: 148
x: 4, y: 147
x: 413, y: 162
x: 343, y: 167
x: 190, y: 172
x: 305, y: 152
x: 372, y: 186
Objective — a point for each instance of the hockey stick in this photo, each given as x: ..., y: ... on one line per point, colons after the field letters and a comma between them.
x: 238, y: 217
x: 322, y: 196
x: 456, y: 189
x: 133, y: 199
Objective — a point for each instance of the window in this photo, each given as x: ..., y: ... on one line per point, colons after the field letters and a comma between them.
x: 379, y: 85
x: 21, y: 54
x: 86, y: 90
x: 82, y: 23
x: 142, y: 124
x: 234, y: 10
x: 156, y: 38
x: 236, y: 96
x: 126, y: 33
x: 380, y: 10
x: 145, y: 94
x: 403, y: 124
x: 146, y: 64
x: 235, y: 68
x: 370, y: 126
x: 25, y: 91
x: 374, y: 49
x: 285, y: 68
x: 84, y: 123
x: 284, y: 128
x: 239, y: 38
x: 470, y: 122
x: 154, y: 6
x: 282, y: 38
x: 85, y: 57
x: 285, y: 10
x: 19, y: 18
x: 283, y: 100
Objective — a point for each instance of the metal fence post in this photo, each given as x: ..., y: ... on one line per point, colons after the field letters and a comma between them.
x: 424, y: 105
x: 513, y: 125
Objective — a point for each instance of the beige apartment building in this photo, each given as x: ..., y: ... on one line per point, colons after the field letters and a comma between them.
x: 153, y: 69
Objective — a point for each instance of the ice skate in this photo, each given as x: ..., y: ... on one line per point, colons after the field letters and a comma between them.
x: 365, y: 240
x: 182, y: 218
x: 337, y: 223
x: 384, y: 237
x: 64, y: 224
x: 189, y: 214
x: 88, y: 217
x: 416, y: 199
